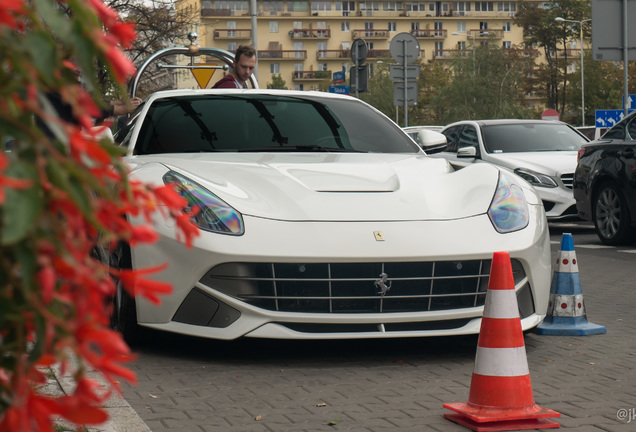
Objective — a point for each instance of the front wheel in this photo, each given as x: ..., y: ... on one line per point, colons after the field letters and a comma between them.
x: 611, y: 216
x: 124, y: 316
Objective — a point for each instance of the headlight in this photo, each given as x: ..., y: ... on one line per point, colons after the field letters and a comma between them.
x: 214, y: 214
x: 508, y: 210
x: 535, y: 178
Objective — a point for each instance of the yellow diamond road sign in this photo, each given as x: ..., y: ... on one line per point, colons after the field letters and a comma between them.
x: 203, y: 76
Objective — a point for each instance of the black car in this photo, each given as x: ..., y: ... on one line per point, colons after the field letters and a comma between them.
x: 605, y: 183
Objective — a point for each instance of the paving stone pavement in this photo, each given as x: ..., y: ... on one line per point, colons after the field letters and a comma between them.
x: 189, y: 384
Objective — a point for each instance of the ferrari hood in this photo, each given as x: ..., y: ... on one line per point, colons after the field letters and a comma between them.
x: 333, y: 187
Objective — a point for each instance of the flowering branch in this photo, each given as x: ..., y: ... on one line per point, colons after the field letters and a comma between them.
x: 63, y: 194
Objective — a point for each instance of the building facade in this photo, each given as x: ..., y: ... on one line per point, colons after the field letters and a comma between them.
x: 307, y: 41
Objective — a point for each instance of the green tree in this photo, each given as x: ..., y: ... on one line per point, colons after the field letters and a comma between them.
x: 488, y: 84
x: 277, y: 83
x: 541, y: 29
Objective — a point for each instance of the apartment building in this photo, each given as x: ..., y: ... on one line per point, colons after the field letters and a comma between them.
x: 306, y: 41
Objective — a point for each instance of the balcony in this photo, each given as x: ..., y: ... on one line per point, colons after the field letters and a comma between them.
x: 311, y: 75
x: 369, y: 34
x: 233, y: 34
x: 373, y: 54
x: 428, y: 33
x: 295, y: 55
x: 310, y: 33
x: 333, y: 54
x: 486, y: 33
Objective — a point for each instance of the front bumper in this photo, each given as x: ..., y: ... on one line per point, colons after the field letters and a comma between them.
x: 273, y: 241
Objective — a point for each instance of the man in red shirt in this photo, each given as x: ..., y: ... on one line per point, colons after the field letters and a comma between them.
x: 242, y: 69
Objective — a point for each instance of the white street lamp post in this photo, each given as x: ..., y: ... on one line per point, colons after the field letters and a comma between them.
x: 580, y: 23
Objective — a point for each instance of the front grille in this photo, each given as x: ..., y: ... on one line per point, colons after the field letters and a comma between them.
x: 351, y: 288
x: 567, y: 180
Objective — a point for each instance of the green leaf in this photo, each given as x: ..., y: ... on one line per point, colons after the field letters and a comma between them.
x: 22, y: 206
x: 52, y: 15
x: 334, y: 422
x: 41, y: 47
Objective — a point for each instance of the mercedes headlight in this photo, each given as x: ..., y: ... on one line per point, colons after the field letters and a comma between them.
x: 214, y: 214
x: 508, y: 210
x: 535, y: 178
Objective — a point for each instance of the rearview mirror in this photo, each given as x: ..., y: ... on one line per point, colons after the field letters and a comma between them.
x: 467, y: 152
x: 431, y: 141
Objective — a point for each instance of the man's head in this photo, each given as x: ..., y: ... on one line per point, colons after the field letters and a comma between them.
x: 244, y: 62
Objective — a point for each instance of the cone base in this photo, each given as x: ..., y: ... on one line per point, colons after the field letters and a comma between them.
x: 569, y: 327
x: 485, y: 414
x: 506, y: 425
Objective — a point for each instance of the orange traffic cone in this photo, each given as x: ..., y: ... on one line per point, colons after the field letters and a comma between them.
x: 500, y: 397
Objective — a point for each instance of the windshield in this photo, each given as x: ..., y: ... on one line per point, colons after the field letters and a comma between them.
x: 257, y: 122
x: 532, y: 137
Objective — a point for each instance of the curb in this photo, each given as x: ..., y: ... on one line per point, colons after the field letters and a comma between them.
x: 121, y: 416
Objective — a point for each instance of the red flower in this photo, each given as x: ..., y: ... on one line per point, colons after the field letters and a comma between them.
x: 8, y: 12
x: 149, y: 289
x: 8, y: 181
x: 121, y: 65
x: 124, y: 32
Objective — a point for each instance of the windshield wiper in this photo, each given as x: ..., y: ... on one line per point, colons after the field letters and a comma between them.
x: 299, y: 148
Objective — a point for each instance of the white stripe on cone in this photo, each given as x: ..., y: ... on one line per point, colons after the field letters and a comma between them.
x: 501, y: 304
x: 567, y: 305
x: 501, y: 361
x: 568, y: 262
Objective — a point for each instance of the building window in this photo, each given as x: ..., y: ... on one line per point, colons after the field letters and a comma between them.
x: 298, y: 47
x: 206, y: 4
x: 507, y: 44
x: 299, y: 87
x: 322, y: 66
x: 484, y: 7
x: 231, y: 46
x: 322, y: 48
x: 461, y: 45
x: 274, y: 68
x: 346, y: 7
x: 416, y: 6
x: 415, y: 25
x: 298, y: 67
x: 392, y: 26
x: 369, y: 6
x: 392, y: 6
x: 320, y: 6
x: 345, y: 26
x: 506, y: 26
x: 234, y: 6
x: 272, y: 7
x: 445, y: 7
x: 297, y: 6
x: 231, y: 25
x: 507, y: 6
x: 461, y: 7
x: 439, y: 49
x: 297, y: 25
x: 461, y: 26
x: 273, y: 26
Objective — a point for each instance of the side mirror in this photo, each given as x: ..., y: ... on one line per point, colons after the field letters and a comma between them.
x: 467, y: 152
x: 431, y: 141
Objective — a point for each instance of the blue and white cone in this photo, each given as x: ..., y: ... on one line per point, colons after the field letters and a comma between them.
x: 566, y: 310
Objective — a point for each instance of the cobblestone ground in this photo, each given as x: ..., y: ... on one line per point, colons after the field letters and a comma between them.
x: 188, y: 384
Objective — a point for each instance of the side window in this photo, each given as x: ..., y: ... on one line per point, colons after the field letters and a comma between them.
x: 468, y: 138
x: 451, y: 138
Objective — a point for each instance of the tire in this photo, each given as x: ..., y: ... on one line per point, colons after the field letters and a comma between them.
x: 124, y: 315
x: 611, y: 216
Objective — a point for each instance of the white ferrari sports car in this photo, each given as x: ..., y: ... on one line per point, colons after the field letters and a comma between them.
x: 321, y: 219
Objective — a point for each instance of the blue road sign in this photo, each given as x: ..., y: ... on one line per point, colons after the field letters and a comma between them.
x: 340, y: 89
x: 338, y: 77
x: 608, y: 118
x: 631, y: 101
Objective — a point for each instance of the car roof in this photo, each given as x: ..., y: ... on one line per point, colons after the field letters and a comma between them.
x: 504, y: 122
x: 291, y: 93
